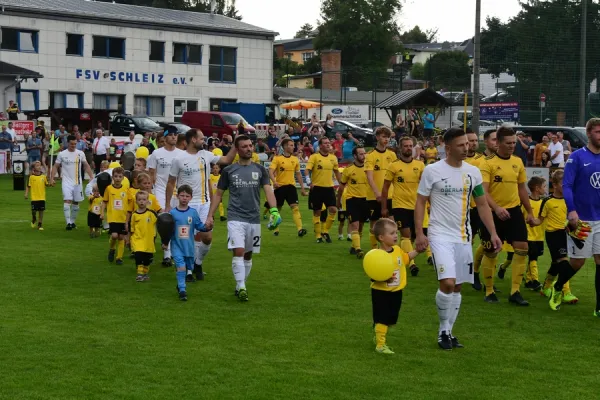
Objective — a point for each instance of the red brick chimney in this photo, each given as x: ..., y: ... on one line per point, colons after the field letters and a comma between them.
x: 279, y: 50
x: 331, y: 65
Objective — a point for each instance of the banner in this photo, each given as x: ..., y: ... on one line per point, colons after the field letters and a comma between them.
x: 355, y: 114
x: 499, y: 111
x: 21, y: 128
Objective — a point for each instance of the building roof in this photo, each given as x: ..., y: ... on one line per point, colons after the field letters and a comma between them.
x: 296, y: 44
x: 466, y: 46
x: 329, y: 96
x: 414, y: 98
x: 88, y: 11
x: 11, y: 70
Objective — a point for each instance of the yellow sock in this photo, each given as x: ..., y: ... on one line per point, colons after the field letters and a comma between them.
x: 508, y: 261
x: 297, y: 217
x: 355, y: 240
x: 532, y: 271
x: 380, y: 332
x: 221, y: 210
x: 146, y: 270
x: 329, y: 223
x: 406, y: 245
x: 112, y: 243
x: 373, y: 241
x: 317, y: 225
x: 488, y: 265
x: 518, y: 269
x: 140, y: 269
x: 428, y: 252
x: 549, y: 281
x: 566, y: 288
x: 120, y: 249
x: 478, y: 258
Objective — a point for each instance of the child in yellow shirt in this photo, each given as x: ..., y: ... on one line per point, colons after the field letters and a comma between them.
x: 94, y: 221
x: 215, y: 174
x: 114, y: 206
x: 143, y: 233
x: 37, y: 185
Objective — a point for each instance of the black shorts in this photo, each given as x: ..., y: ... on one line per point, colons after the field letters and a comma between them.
x: 94, y: 220
x: 287, y: 193
x: 557, y: 244
x: 386, y: 306
x: 320, y: 195
x: 512, y: 230
x: 38, y: 205
x: 535, y: 250
x: 142, y: 258
x: 266, y: 205
x: 342, y: 215
x: 117, y: 227
x: 375, y: 209
x: 357, y: 209
x: 475, y: 221
x: 404, y: 218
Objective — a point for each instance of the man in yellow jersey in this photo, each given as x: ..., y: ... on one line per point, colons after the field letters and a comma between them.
x: 376, y: 165
x: 284, y: 171
x: 504, y: 181
x: 431, y: 152
x: 404, y: 174
x: 354, y: 181
x: 321, y: 166
x: 475, y: 158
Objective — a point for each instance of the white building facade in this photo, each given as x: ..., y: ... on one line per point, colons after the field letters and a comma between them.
x: 137, y: 60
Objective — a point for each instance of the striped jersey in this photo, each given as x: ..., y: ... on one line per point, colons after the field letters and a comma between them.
x: 71, y: 166
x: 449, y: 190
x: 194, y: 170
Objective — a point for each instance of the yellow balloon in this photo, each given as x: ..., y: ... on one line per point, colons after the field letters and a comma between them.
x: 142, y: 152
x: 114, y: 165
x: 217, y: 151
x: 378, y: 265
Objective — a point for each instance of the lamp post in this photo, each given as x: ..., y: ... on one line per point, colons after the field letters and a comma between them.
x: 476, y: 63
x: 287, y: 70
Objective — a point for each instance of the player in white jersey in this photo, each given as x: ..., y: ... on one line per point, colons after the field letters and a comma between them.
x: 448, y: 186
x: 192, y: 167
x: 71, y: 160
x: 159, y: 166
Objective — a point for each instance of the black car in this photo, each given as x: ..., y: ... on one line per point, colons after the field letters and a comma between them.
x: 177, y: 127
x: 576, y: 136
x: 123, y: 124
x: 364, y: 136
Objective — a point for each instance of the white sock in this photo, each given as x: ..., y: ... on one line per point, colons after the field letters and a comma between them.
x: 74, y: 212
x: 200, y: 251
x: 167, y: 252
x: 105, y: 225
x: 444, y: 306
x: 248, y: 267
x: 239, y: 272
x: 455, y: 308
x: 67, y: 212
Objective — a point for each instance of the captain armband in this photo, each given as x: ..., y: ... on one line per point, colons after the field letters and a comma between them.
x: 478, y: 191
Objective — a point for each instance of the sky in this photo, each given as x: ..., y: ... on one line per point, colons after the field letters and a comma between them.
x: 455, y: 19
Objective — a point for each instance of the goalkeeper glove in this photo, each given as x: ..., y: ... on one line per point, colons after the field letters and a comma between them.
x: 275, y: 219
x: 579, y: 233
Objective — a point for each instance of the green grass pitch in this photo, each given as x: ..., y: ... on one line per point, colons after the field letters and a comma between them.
x: 73, y: 326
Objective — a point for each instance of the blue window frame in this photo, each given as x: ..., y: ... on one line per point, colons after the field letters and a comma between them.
x: 186, y: 53
x: 74, y: 44
x: 151, y: 106
x: 22, y: 40
x: 222, y: 64
x: 28, y: 99
x: 66, y: 100
x: 157, y: 51
x: 108, y: 47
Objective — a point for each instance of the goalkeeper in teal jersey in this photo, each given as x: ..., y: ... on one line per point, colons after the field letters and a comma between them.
x: 244, y: 180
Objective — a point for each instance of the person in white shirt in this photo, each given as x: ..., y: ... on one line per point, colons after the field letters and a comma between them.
x: 100, y: 149
x: 12, y: 132
x: 448, y: 186
x: 159, y: 167
x: 71, y: 160
x: 130, y: 144
x: 192, y: 167
x: 556, y: 150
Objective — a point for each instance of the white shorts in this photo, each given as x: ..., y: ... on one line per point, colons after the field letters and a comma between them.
x: 202, y: 210
x: 243, y: 235
x: 160, y: 196
x: 453, y: 260
x: 72, y: 192
x: 174, y: 202
x: 591, y: 245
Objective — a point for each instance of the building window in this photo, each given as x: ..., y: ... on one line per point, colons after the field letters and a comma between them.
x: 215, y: 104
x: 307, y: 56
x: 29, y: 100
x: 74, y: 44
x: 187, y: 53
x: 109, y: 47
x: 222, y: 66
x: 109, y: 102
x: 19, y: 40
x: 182, y: 105
x: 150, y: 106
x: 157, y: 51
x: 66, y: 100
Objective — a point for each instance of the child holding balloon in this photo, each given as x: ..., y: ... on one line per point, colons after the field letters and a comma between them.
x: 386, y: 293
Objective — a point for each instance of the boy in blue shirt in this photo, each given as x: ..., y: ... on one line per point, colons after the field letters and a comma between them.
x: 187, y: 221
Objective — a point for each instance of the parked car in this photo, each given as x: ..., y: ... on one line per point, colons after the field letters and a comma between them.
x: 123, y: 124
x: 484, y: 125
x: 449, y: 96
x: 175, y: 126
x: 576, y: 136
x: 499, y: 97
x: 459, y: 99
x: 224, y: 123
x: 365, y: 136
x: 372, y: 125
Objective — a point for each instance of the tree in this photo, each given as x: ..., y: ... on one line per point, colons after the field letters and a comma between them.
x: 416, y: 35
x: 222, y: 7
x: 304, y: 32
x: 448, y: 69
x: 365, y: 32
x: 417, y: 71
x: 312, y: 65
